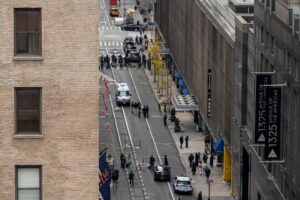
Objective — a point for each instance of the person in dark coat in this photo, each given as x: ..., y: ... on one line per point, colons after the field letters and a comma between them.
x: 197, y: 158
x: 115, y: 177
x: 199, y: 196
x: 204, y: 158
x: 131, y: 178
x: 152, y: 162
x: 144, y: 111
x: 207, y: 173
x: 194, y: 168
x: 181, y: 141
x: 147, y: 111
x: 187, y: 141
x: 191, y: 159
x: 123, y: 160
x: 139, y: 108
x: 165, y: 119
x: 166, y: 160
x: 211, y: 159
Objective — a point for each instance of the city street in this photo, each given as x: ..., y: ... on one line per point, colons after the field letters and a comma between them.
x: 124, y: 132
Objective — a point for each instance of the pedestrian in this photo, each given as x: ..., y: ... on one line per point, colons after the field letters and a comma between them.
x: 149, y: 64
x: 207, y: 173
x: 199, y: 196
x: 166, y: 160
x: 131, y: 178
x: 165, y: 119
x: 123, y: 160
x: 191, y: 159
x: 136, y: 39
x: 141, y: 30
x: 211, y: 159
x: 197, y: 158
x: 194, y: 168
x: 145, y: 36
x: 151, y: 162
x: 181, y: 141
x: 132, y: 106
x: 147, y: 111
x: 115, y: 177
x: 204, y: 158
x: 187, y: 141
x: 144, y: 111
x: 139, y: 108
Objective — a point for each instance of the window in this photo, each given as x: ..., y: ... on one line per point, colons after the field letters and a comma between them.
x: 28, y: 182
x: 28, y: 102
x: 272, y: 45
x: 273, y: 5
x: 262, y: 34
x: 27, y: 31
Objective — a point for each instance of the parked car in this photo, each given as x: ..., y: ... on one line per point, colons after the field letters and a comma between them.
x: 182, y: 184
x: 130, y: 27
x: 128, y: 39
x: 162, y: 173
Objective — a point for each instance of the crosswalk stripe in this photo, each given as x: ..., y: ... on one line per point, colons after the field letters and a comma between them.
x: 101, y: 44
x: 113, y: 43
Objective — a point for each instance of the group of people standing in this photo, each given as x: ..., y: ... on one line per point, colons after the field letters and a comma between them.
x: 186, y: 141
x: 140, y: 108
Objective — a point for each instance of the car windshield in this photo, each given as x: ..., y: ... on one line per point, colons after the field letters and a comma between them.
x: 123, y: 93
x: 184, y: 182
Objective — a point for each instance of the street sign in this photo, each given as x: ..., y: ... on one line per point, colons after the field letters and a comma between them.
x: 261, y: 108
x: 272, y: 145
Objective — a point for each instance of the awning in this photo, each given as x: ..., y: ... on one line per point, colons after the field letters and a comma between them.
x: 185, y: 103
x: 178, y: 75
x: 186, y: 91
x: 219, y: 146
x: 181, y: 83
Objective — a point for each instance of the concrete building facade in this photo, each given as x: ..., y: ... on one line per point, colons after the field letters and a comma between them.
x: 277, y: 49
x: 49, y: 129
x: 201, y: 41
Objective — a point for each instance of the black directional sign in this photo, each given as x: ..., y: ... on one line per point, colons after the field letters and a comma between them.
x: 272, y: 145
x: 261, y: 109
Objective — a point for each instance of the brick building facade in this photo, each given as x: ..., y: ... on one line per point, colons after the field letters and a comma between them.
x: 49, y: 99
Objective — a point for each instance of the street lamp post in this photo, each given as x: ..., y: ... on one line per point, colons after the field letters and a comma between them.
x: 209, y: 181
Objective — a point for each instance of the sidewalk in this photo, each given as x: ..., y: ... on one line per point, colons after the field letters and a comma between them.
x: 219, y: 189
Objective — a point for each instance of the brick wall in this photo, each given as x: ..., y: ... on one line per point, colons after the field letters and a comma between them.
x: 68, y: 75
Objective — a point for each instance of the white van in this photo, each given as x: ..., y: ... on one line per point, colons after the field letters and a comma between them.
x: 123, y: 94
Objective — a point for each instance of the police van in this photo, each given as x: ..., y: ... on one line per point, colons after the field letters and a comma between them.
x: 123, y: 94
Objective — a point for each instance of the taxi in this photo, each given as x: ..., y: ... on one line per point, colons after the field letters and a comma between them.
x: 114, y: 12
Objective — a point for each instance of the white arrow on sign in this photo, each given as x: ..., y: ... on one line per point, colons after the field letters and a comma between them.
x: 272, y: 154
x: 261, y: 138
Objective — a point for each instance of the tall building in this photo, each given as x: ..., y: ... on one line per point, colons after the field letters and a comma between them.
x: 49, y: 130
x: 277, y: 53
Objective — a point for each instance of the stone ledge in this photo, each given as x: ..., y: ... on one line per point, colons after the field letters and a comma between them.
x: 28, y: 58
x: 28, y: 136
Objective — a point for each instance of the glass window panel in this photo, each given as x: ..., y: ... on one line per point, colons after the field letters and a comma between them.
x: 27, y: 31
x: 28, y: 178
x: 29, y: 194
x: 34, y: 22
x: 28, y: 99
x: 21, y: 22
x: 22, y: 43
x: 28, y: 121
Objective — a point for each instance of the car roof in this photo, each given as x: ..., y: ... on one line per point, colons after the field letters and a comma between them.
x: 123, y: 86
x: 183, y: 178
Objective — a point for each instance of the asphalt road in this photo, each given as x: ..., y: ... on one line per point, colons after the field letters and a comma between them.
x: 122, y: 131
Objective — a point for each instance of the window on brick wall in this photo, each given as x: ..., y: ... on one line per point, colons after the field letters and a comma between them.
x: 28, y: 110
x: 28, y: 182
x: 27, y: 31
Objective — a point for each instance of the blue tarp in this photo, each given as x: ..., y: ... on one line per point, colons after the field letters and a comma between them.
x: 186, y: 91
x: 219, y: 146
x: 178, y: 75
x: 181, y: 83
